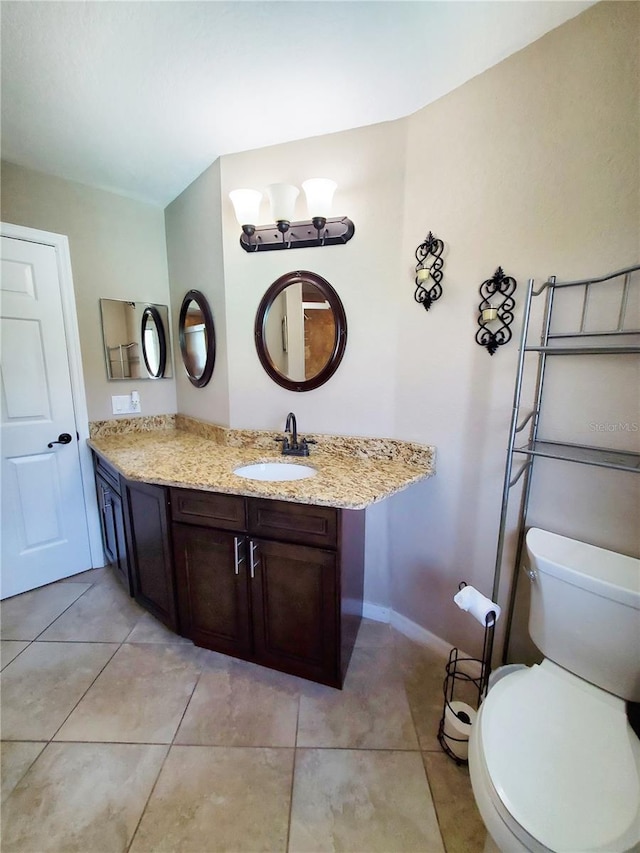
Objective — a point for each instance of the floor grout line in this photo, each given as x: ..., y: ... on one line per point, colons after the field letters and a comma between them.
x: 151, y: 792
x: 28, y: 642
x: 83, y: 593
x: 164, y: 761
x: 293, y: 776
x: 102, y: 669
x: 201, y: 671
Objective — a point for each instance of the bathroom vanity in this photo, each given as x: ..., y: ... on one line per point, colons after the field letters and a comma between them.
x: 249, y: 574
x: 112, y: 519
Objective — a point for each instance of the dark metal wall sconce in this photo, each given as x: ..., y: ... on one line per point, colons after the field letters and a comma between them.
x: 319, y: 230
x: 429, y: 271
x: 496, y: 311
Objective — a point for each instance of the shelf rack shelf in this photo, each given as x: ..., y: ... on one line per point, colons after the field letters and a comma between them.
x: 620, y: 460
x: 552, y: 344
x: 602, y: 350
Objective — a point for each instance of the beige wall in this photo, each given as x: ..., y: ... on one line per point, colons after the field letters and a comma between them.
x: 368, y: 166
x: 194, y: 252
x: 117, y: 252
x: 532, y: 166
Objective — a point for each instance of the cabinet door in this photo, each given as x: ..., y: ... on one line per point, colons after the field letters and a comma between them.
x: 147, y: 527
x: 294, y: 606
x: 212, y: 588
x: 113, y: 535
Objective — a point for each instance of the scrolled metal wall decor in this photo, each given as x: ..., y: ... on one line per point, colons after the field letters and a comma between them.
x: 494, y: 319
x: 429, y: 267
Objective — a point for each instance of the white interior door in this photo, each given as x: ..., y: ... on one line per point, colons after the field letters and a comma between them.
x: 44, y: 523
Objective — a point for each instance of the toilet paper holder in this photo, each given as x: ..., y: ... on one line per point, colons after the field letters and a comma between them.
x: 465, y: 686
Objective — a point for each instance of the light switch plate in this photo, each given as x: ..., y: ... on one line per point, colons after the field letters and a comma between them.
x: 122, y: 404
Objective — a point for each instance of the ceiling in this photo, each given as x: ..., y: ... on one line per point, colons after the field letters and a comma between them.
x: 140, y: 97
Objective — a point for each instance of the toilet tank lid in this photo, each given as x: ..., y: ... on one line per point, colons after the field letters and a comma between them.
x: 606, y: 573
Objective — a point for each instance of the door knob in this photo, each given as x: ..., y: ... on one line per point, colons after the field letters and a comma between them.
x: 63, y: 438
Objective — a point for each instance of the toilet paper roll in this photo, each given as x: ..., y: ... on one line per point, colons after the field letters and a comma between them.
x: 457, y: 730
x: 477, y: 604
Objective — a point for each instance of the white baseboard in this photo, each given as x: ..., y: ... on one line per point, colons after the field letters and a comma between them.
x: 405, y: 626
x: 376, y: 612
x: 419, y: 634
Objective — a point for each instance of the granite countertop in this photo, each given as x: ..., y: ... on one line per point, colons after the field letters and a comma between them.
x: 351, y: 473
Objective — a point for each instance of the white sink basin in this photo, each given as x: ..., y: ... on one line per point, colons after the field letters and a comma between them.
x: 275, y: 471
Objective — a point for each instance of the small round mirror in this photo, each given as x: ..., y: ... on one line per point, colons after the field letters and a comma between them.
x: 197, y: 338
x: 154, y: 342
x: 300, y: 331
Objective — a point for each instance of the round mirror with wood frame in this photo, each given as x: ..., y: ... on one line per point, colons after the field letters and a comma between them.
x: 154, y: 342
x: 300, y: 331
x: 197, y: 338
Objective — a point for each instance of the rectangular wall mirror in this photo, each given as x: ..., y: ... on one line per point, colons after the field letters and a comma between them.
x: 137, y: 343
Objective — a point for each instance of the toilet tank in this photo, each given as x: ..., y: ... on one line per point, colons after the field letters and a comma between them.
x: 585, y: 611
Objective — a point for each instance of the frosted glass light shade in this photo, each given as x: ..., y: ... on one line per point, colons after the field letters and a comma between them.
x: 283, y: 201
x: 319, y: 193
x: 246, y: 204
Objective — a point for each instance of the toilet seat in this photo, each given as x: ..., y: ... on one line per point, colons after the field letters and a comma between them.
x: 544, y: 717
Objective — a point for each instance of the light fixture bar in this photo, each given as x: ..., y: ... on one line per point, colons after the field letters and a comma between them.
x: 300, y: 235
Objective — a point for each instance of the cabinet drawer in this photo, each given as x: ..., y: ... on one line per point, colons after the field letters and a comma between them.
x: 289, y: 522
x: 108, y: 473
x: 208, y: 509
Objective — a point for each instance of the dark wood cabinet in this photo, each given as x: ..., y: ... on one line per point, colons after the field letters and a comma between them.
x: 112, y: 523
x: 213, y: 594
x: 262, y: 588
x: 146, y: 512
x: 295, y: 609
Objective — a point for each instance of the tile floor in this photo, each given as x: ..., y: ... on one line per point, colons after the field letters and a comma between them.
x: 120, y: 736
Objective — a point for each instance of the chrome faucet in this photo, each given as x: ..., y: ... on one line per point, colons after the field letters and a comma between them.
x: 291, y: 446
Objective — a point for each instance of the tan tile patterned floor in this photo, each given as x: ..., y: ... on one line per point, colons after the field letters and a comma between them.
x: 120, y: 736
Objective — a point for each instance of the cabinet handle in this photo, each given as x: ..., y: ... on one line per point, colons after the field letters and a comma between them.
x: 105, y: 503
x: 254, y: 563
x: 236, y: 554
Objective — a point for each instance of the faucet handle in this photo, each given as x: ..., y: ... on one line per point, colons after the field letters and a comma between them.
x: 304, y: 446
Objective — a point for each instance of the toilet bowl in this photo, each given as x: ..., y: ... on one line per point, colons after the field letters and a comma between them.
x: 555, y: 765
x: 553, y: 760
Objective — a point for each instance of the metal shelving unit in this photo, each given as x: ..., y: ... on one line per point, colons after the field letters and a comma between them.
x: 552, y: 345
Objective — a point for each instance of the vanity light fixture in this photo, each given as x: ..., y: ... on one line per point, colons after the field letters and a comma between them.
x: 496, y: 311
x: 246, y: 204
x: 282, y: 198
x: 319, y: 230
x: 429, y: 271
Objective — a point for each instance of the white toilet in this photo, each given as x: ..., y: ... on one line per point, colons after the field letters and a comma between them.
x: 554, y: 762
